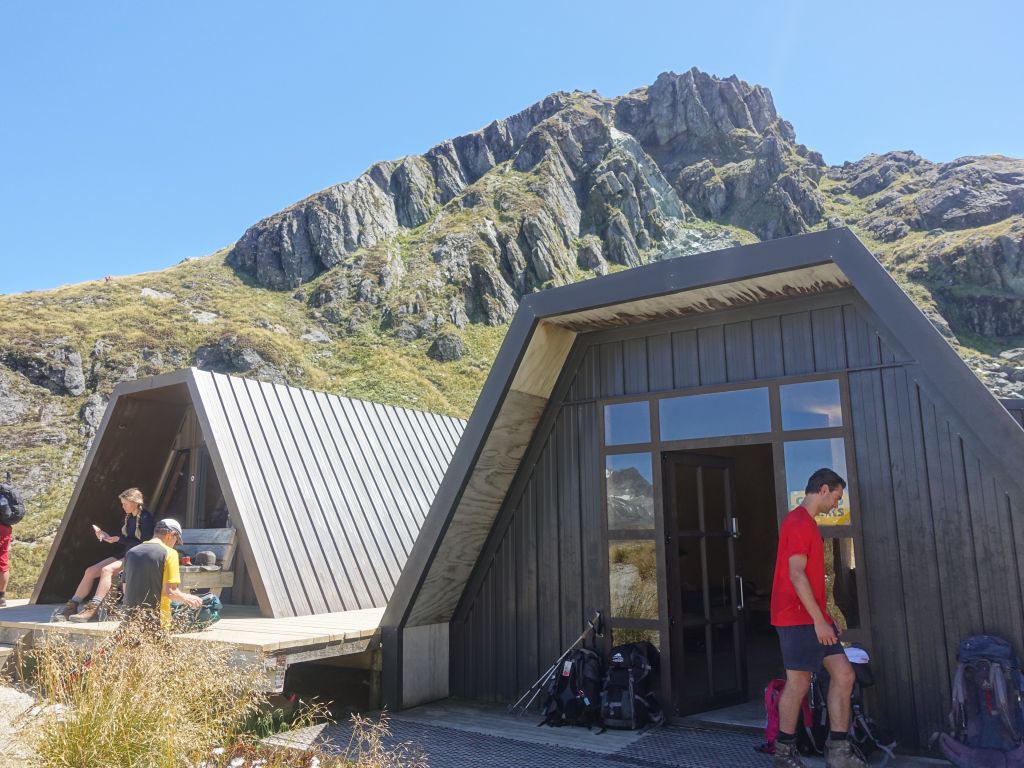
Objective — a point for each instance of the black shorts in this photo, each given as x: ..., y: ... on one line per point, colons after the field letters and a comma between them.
x: 801, y: 651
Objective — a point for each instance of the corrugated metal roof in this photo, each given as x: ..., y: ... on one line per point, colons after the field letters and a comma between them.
x: 328, y: 492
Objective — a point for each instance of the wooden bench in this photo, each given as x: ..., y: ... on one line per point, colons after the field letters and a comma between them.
x: 220, y: 541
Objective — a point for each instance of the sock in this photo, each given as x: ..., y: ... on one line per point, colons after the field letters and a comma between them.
x: 2, y: 594
x: 786, y: 738
x: 835, y: 736
x: 76, y: 600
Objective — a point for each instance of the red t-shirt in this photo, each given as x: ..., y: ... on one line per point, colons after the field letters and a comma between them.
x: 798, y: 535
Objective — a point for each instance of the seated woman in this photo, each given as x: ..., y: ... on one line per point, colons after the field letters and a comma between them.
x: 137, y: 528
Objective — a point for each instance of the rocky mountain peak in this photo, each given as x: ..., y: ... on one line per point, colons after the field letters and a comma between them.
x: 576, y: 183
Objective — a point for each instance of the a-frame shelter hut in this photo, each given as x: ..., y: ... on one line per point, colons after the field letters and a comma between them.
x: 325, y: 494
x: 637, y: 443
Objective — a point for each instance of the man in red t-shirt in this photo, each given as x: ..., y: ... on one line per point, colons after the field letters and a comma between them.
x: 807, y: 634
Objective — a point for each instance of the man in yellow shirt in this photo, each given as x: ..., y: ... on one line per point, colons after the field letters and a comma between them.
x: 152, y: 576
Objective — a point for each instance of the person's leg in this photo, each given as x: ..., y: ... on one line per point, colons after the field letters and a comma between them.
x: 5, y: 573
x: 92, y: 573
x: 107, y: 574
x: 839, y: 751
x: 791, y: 700
x: 840, y: 687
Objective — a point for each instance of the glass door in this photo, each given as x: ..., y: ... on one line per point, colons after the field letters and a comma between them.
x: 705, y: 595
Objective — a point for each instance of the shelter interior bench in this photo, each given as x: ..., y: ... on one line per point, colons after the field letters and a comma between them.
x: 222, y: 542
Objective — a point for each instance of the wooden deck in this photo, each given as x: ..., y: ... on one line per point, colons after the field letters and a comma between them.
x: 277, y: 643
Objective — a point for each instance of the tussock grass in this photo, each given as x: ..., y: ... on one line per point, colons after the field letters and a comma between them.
x: 144, y: 699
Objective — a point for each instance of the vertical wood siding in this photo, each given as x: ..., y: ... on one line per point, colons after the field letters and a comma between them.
x: 942, y: 533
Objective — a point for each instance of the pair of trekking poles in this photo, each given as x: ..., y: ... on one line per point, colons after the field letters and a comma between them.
x: 595, y: 625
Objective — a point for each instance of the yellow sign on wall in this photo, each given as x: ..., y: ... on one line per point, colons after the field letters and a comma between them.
x: 838, y: 516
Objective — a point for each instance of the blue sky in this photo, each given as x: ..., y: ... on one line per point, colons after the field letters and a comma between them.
x: 133, y: 135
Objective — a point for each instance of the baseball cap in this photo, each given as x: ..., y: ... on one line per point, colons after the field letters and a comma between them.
x: 167, y: 525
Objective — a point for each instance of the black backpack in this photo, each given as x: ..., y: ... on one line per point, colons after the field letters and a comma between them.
x: 12, y: 505
x: 626, y: 699
x: 574, y: 691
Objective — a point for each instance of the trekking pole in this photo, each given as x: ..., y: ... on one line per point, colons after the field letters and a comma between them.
x: 595, y: 625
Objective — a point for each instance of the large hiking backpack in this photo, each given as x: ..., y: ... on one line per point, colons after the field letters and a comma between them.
x: 987, y: 716
x: 12, y: 505
x: 574, y: 691
x: 626, y: 699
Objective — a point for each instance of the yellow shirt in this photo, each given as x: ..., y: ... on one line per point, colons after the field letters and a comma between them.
x: 171, y: 576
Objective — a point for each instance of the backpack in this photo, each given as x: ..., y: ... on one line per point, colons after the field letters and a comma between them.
x: 804, y: 736
x: 626, y: 700
x: 574, y: 691
x: 987, y: 716
x: 185, y: 619
x: 12, y: 505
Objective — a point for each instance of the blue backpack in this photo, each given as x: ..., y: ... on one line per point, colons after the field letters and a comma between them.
x: 987, y: 717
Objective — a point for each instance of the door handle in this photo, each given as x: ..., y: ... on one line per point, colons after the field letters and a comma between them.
x: 739, y: 588
x: 734, y: 527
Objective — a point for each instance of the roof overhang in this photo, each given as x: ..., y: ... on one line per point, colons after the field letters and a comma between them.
x: 539, y: 342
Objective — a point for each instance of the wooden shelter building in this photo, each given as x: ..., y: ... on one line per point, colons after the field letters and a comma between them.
x: 324, y: 494
x: 639, y: 439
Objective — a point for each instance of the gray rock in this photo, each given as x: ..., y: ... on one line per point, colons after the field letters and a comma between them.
x: 204, y: 318
x: 57, y: 368
x: 316, y: 336
x: 1013, y: 354
x: 152, y: 293
x: 407, y: 332
x: 12, y: 406
x: 446, y: 348
x: 91, y: 414
x: 228, y: 356
x: 152, y: 356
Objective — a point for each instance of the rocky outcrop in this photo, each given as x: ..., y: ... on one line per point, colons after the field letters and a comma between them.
x: 229, y: 355
x: 506, y: 208
x: 580, y: 183
x: 292, y: 246
x: 12, y: 405
x: 56, y: 367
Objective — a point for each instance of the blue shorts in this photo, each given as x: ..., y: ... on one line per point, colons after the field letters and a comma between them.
x: 801, y: 651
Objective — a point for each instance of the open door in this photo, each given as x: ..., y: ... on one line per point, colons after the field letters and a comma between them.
x: 706, y: 616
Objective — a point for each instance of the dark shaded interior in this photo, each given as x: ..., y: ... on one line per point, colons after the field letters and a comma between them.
x: 151, y: 440
x: 753, y: 560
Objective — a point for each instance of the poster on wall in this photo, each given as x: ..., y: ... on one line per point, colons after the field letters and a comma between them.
x: 838, y: 516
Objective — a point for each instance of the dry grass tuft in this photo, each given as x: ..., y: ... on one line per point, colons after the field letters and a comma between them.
x: 141, y: 698
x: 144, y: 699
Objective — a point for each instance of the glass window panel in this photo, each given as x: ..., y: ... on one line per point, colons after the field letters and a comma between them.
x: 724, y: 659
x: 716, y: 414
x: 803, y: 459
x: 630, y: 486
x: 626, y: 423
x: 841, y: 583
x: 621, y: 636
x: 633, y: 579
x: 812, y: 405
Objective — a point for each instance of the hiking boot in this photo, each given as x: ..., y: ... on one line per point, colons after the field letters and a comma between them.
x: 787, y: 756
x: 840, y: 754
x: 88, y: 613
x: 3, y: 602
x: 65, y: 612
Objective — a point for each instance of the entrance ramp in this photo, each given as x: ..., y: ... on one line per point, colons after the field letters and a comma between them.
x: 274, y: 643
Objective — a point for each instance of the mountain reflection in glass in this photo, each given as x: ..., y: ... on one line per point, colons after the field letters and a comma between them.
x: 811, y: 405
x: 629, y: 483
